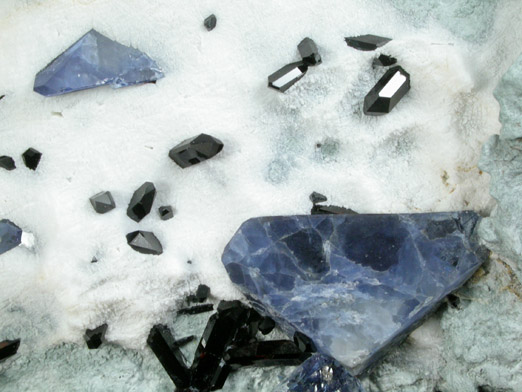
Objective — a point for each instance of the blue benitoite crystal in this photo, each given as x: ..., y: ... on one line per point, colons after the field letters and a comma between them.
x: 320, y: 373
x: 10, y: 235
x: 93, y: 61
x: 354, y: 284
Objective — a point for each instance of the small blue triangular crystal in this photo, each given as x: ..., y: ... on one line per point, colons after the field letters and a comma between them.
x: 354, y: 284
x: 93, y: 61
x: 10, y: 235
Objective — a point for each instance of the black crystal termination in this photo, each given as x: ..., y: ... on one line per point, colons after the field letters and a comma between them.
x: 317, y: 198
x: 387, y: 93
x: 164, y: 346
x: 144, y: 242
x: 266, y: 325
x: 318, y: 209
x: 309, y: 52
x: 166, y: 212
x: 195, y: 150
x: 367, y: 42
x: 7, y: 163
x: 266, y: 353
x: 32, y: 158
x: 287, y: 76
x: 304, y: 343
x: 2, y: 97
x: 210, y: 22
x: 384, y: 61
x: 102, y: 202
x: 141, y: 202
x: 95, y: 337
x: 8, y: 348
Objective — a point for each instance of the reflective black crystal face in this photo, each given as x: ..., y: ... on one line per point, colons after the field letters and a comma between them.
x: 95, y: 337
x: 387, y: 93
x: 266, y: 353
x: 8, y: 348
x: 320, y: 209
x: 384, y: 60
x: 210, y: 22
x: 309, y: 52
x: 141, y: 202
x: 367, y: 42
x: 317, y: 198
x: 7, y: 163
x: 304, y: 343
x: 195, y: 150
x: 166, y: 212
x: 102, y: 202
x: 287, y: 76
x: 266, y: 325
x: 144, y: 242
x: 32, y: 158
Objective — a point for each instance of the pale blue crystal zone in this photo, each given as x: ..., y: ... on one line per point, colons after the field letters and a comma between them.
x: 10, y: 235
x: 93, y: 61
x: 355, y: 284
x: 320, y: 373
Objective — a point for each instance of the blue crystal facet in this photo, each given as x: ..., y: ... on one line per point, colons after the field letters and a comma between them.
x: 10, y: 235
x: 354, y: 284
x: 320, y: 373
x: 93, y: 61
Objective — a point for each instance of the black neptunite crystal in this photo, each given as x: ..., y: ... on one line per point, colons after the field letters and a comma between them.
x: 317, y: 198
x: 309, y: 52
x: 384, y: 60
x: 166, y: 212
x: 7, y: 163
x: 304, y: 343
x: 163, y: 345
x: 266, y: 353
x: 210, y: 22
x: 266, y: 325
x: 320, y: 209
x: 197, y: 309
x: 102, y: 202
x: 141, y: 202
x: 387, y: 93
x: 184, y: 341
x: 8, y: 348
x: 195, y: 150
x: 144, y: 242
x: 32, y: 158
x: 367, y: 42
x: 202, y: 293
x: 2, y: 97
x: 95, y: 337
x: 287, y: 76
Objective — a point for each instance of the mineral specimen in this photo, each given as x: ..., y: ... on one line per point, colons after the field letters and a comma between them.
x: 95, y: 337
x: 32, y: 158
x: 387, y: 93
x: 195, y: 150
x: 7, y: 163
x: 317, y: 198
x: 318, y: 209
x: 8, y: 348
x: 266, y: 325
x: 287, y: 76
x: 102, y: 202
x: 10, y: 235
x: 367, y: 42
x: 266, y: 353
x: 144, y: 242
x: 166, y: 212
x: 309, y: 52
x: 93, y: 61
x: 197, y: 309
x: 210, y: 22
x: 320, y: 374
x: 384, y: 60
x: 141, y: 202
x: 354, y: 284
x: 202, y: 293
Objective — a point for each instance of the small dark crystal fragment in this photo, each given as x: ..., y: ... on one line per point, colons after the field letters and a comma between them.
x: 166, y: 212
x: 210, y: 22
x: 202, y: 293
x: 266, y: 325
x: 320, y: 209
x: 2, y: 97
x: 195, y: 150
x: 162, y: 343
x: 197, y: 309
x: 387, y: 93
x: 95, y: 337
x: 32, y: 158
x: 7, y: 163
x: 144, y: 242
x: 102, y: 202
x: 309, y: 52
x: 266, y: 353
x: 141, y: 202
x: 10, y: 235
x: 304, y: 343
x: 367, y: 42
x: 384, y: 60
x: 317, y: 198
x: 94, y: 260
x: 8, y: 348
x: 184, y: 341
x: 287, y: 76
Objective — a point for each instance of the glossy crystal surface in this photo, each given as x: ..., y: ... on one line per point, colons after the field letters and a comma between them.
x: 10, y: 235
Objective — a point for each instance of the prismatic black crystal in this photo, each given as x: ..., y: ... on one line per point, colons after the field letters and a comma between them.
x: 287, y: 76
x: 387, y: 93
x: 8, y: 348
x: 102, y: 202
x: 7, y: 163
x: 144, y: 242
x: 384, y: 60
x: 309, y: 52
x: 195, y: 150
x: 197, y: 309
x: 367, y: 42
x: 95, y: 337
x: 266, y: 353
x: 141, y: 202
x: 317, y: 198
x: 166, y: 212
x: 318, y: 209
x: 210, y: 22
x: 32, y: 158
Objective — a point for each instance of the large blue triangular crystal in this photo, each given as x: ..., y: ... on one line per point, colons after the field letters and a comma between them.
x: 354, y: 284
x: 10, y: 235
x: 93, y: 61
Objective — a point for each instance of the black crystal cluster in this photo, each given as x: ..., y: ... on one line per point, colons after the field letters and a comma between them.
x: 317, y: 208
x: 31, y: 158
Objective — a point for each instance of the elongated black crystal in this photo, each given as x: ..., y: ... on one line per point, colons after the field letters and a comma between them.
x: 8, y: 348
x: 95, y: 337
x: 7, y: 163
x: 141, y: 202
x: 309, y: 52
x: 387, y: 93
x: 210, y: 22
x: 102, y: 202
x: 318, y: 209
x: 287, y: 76
x: 197, y: 309
x: 266, y: 353
x: 144, y: 242
x: 32, y: 158
x: 195, y: 150
x: 367, y: 42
